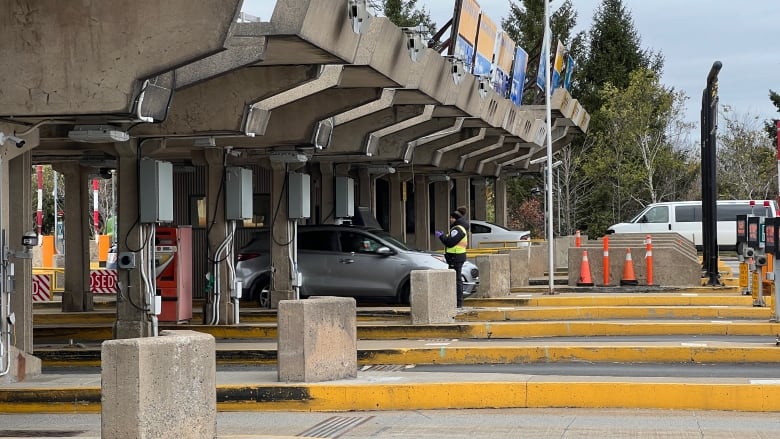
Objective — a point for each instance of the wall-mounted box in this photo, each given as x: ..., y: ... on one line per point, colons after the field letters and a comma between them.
x: 345, y: 197
x: 155, y: 202
x: 298, y: 196
x: 238, y: 193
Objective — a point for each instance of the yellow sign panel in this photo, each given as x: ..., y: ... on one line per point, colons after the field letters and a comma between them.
x: 743, y: 275
x: 469, y: 18
x: 505, y: 53
x: 487, y: 37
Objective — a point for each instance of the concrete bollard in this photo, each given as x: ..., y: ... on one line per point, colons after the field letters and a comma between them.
x: 518, y: 268
x: 159, y: 387
x: 493, y: 275
x: 317, y: 339
x: 433, y: 298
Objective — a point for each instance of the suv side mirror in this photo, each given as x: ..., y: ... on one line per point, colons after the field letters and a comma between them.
x: 385, y: 251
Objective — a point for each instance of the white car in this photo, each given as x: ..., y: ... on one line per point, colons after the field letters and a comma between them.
x: 485, y: 234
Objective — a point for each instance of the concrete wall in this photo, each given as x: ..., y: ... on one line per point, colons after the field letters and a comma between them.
x: 673, y: 263
x: 159, y: 387
x: 493, y: 275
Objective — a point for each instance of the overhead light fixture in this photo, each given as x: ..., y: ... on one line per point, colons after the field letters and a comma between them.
x: 538, y: 160
x: 438, y: 178
x: 288, y: 157
x: 97, y: 134
x: 381, y: 169
x: 204, y: 142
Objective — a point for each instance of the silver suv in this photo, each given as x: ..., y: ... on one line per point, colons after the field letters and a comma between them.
x: 343, y: 261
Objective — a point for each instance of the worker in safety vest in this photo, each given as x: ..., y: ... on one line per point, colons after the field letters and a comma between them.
x: 456, y: 241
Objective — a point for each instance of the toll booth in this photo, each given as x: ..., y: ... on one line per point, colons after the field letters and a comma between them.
x: 173, y: 268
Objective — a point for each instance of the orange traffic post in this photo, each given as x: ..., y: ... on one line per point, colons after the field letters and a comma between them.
x: 104, y: 242
x: 577, y: 239
x: 605, y: 260
x: 585, y: 280
x: 649, y: 258
x: 47, y: 251
x: 629, y: 278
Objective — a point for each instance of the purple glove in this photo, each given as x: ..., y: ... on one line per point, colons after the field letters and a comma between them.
x: 438, y: 233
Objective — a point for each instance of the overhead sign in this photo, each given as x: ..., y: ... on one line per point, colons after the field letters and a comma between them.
x: 486, y: 44
x: 518, y: 76
x: 467, y: 32
x: 505, y: 48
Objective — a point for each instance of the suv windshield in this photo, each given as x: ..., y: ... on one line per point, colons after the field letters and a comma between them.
x: 389, y: 238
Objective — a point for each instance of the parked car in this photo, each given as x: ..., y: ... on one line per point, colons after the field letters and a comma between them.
x: 483, y: 232
x: 339, y: 260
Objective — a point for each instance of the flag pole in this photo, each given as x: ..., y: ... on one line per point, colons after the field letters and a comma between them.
x: 548, y: 168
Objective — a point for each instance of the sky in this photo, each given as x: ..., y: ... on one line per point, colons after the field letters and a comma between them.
x: 691, y: 35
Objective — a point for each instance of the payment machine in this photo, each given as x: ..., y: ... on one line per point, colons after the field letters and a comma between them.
x: 173, y: 261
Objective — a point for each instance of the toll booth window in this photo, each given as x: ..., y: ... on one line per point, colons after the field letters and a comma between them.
x: 658, y: 214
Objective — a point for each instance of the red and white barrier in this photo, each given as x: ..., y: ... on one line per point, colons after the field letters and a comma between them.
x: 103, y: 282
x: 41, y: 288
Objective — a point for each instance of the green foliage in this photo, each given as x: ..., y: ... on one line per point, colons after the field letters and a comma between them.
x: 404, y: 13
x: 771, y: 125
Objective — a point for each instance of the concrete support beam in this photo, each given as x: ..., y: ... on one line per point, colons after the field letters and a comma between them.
x: 77, y: 295
x: 463, y: 193
x: 317, y: 339
x: 17, y: 176
x: 281, y: 269
x: 365, y: 189
x: 442, y: 209
x: 327, y: 193
x: 422, y: 213
x: 432, y: 297
x: 131, y: 322
x: 430, y: 152
x: 499, y: 194
x: 159, y: 387
x: 217, y: 227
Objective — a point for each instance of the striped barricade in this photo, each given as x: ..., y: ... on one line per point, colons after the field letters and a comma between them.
x: 41, y: 288
x: 103, y: 281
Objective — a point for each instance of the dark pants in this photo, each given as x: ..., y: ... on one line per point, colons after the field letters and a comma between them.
x: 456, y: 263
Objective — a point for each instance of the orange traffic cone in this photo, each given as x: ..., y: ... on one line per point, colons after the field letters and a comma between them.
x: 628, y: 271
x: 585, y: 280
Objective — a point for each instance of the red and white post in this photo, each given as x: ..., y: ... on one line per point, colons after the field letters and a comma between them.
x: 605, y: 260
x: 95, y: 210
x: 649, y: 258
x: 39, y: 212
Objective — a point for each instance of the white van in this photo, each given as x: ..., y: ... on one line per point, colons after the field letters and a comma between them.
x: 684, y: 217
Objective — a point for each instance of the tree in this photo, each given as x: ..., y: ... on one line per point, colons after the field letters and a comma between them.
x: 404, y: 13
x: 746, y: 164
x: 771, y: 125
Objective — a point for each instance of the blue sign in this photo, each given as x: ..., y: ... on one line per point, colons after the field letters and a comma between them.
x: 481, y: 66
x: 518, y: 76
x: 464, y: 51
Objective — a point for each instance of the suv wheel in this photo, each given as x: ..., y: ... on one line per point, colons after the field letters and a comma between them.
x: 262, y: 292
x: 402, y: 296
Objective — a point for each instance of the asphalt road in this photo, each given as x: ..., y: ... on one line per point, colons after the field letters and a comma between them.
x: 449, y: 424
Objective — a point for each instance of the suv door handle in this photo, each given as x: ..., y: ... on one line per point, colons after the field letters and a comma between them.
x: 346, y: 260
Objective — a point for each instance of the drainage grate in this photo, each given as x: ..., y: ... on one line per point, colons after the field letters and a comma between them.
x: 333, y: 427
x: 386, y: 367
x: 40, y: 433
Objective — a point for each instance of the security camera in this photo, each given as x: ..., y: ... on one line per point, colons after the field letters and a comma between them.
x: 29, y: 240
x: 18, y: 141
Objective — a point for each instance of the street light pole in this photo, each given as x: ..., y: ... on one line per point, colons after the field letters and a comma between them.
x: 549, y: 168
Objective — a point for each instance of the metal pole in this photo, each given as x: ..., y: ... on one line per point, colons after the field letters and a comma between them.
x: 549, y: 168
x: 709, y: 180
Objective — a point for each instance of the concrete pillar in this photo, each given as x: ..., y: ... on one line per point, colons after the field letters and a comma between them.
x: 499, y: 193
x: 18, y: 177
x: 317, y: 339
x: 77, y: 295
x: 422, y: 213
x: 432, y: 298
x: 398, y: 207
x: 131, y: 322
x: 159, y: 387
x: 365, y: 189
x: 281, y: 281
x: 327, y: 193
x: 518, y: 268
x: 493, y: 275
x: 217, y: 228
x: 480, y: 200
x: 442, y: 210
